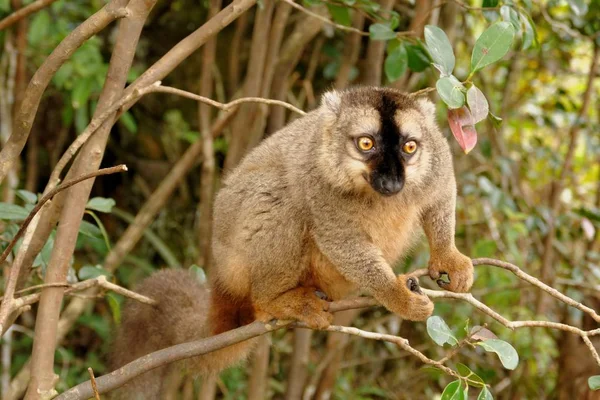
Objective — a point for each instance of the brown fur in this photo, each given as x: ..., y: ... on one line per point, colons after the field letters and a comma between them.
x: 302, y: 213
x: 180, y: 316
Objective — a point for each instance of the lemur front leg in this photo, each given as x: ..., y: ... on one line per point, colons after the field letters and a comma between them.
x: 439, y: 225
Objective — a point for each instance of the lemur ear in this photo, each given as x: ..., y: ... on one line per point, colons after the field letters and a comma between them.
x: 426, y: 106
x: 331, y: 101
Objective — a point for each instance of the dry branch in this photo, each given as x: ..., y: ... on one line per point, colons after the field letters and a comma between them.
x: 94, y: 387
x: 8, y: 307
x: 24, y: 12
x: 88, y: 160
x: 225, y: 106
x: 99, y: 281
x: 33, y: 95
x: 50, y: 195
x: 162, y: 357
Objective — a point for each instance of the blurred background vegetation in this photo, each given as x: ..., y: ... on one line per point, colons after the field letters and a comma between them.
x: 506, y: 184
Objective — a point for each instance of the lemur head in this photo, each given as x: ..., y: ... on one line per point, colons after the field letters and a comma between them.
x: 377, y: 140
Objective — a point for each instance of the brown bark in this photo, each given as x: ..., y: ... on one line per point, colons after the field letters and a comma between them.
x: 157, y: 201
x: 299, y: 366
x: 24, y: 12
x: 207, y: 178
x: 373, y: 66
x: 240, y: 140
x: 257, y: 130
x: 351, y: 52
x: 32, y: 97
x: 234, y: 53
x: 546, y: 273
x: 335, y: 343
x: 42, y: 373
x: 305, y: 30
x: 187, y: 46
x: 259, y: 378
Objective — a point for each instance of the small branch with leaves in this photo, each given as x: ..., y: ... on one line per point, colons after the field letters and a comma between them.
x: 436, y: 327
x: 10, y: 305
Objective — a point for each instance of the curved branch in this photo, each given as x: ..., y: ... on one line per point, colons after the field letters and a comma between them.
x: 175, y: 353
x: 24, y: 12
x: 42, y: 77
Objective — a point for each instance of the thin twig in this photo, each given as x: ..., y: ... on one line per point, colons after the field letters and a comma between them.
x: 224, y: 106
x: 83, y: 285
x: 24, y: 12
x: 338, y: 26
x: 536, y: 282
x: 94, y: 386
x: 52, y: 193
x: 257, y: 328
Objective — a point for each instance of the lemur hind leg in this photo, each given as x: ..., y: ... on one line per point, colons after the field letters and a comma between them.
x: 301, y: 304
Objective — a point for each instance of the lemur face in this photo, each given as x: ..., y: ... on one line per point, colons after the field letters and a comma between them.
x: 380, y: 141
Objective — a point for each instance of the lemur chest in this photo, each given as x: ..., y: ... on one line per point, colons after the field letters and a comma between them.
x: 393, y: 231
x: 323, y: 275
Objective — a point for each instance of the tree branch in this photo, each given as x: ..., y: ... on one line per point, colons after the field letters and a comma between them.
x: 24, y: 12
x: 8, y: 305
x: 42, y: 77
x: 162, y: 357
x: 50, y: 195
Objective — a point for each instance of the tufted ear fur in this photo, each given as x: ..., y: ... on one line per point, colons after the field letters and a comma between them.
x: 426, y: 106
x: 331, y: 101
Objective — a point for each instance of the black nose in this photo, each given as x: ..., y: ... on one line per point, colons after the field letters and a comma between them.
x: 391, y: 186
x: 387, y: 186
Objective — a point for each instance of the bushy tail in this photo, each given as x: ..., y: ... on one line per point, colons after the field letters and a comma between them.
x: 183, y: 314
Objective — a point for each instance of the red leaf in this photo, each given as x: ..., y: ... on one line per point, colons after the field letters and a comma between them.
x: 463, y: 128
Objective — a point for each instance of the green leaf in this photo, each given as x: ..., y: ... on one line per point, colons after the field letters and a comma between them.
x: 579, y: 7
x: 507, y: 354
x: 484, y: 248
x: 91, y: 272
x: 27, y: 196
x: 101, y: 204
x: 529, y: 32
x: 90, y: 230
x: 81, y: 92
x: 396, y: 63
x: 199, y: 273
x: 43, y: 258
x: 129, y: 122
x: 440, y: 49
x: 115, y: 307
x: 496, y: 121
x: 492, y: 45
x: 381, y: 32
x: 454, y: 391
x: 82, y: 119
x: 341, y: 15
x: 451, y: 91
x: 485, y: 394
x: 12, y: 212
x: 509, y: 14
x: 473, y: 379
x: 39, y: 28
x: 418, y: 59
x: 594, y: 382
x: 4, y: 6
x: 439, y: 331
x: 477, y: 104
x: 489, y: 3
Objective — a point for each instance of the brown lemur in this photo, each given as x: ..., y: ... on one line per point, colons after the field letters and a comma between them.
x: 328, y: 203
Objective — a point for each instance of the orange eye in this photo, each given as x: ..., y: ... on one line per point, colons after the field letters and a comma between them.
x: 409, y: 147
x: 365, y: 143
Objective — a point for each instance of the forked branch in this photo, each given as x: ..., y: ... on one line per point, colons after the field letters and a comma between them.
x: 175, y: 353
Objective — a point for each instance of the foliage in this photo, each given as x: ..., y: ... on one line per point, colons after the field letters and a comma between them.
x: 505, y: 69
